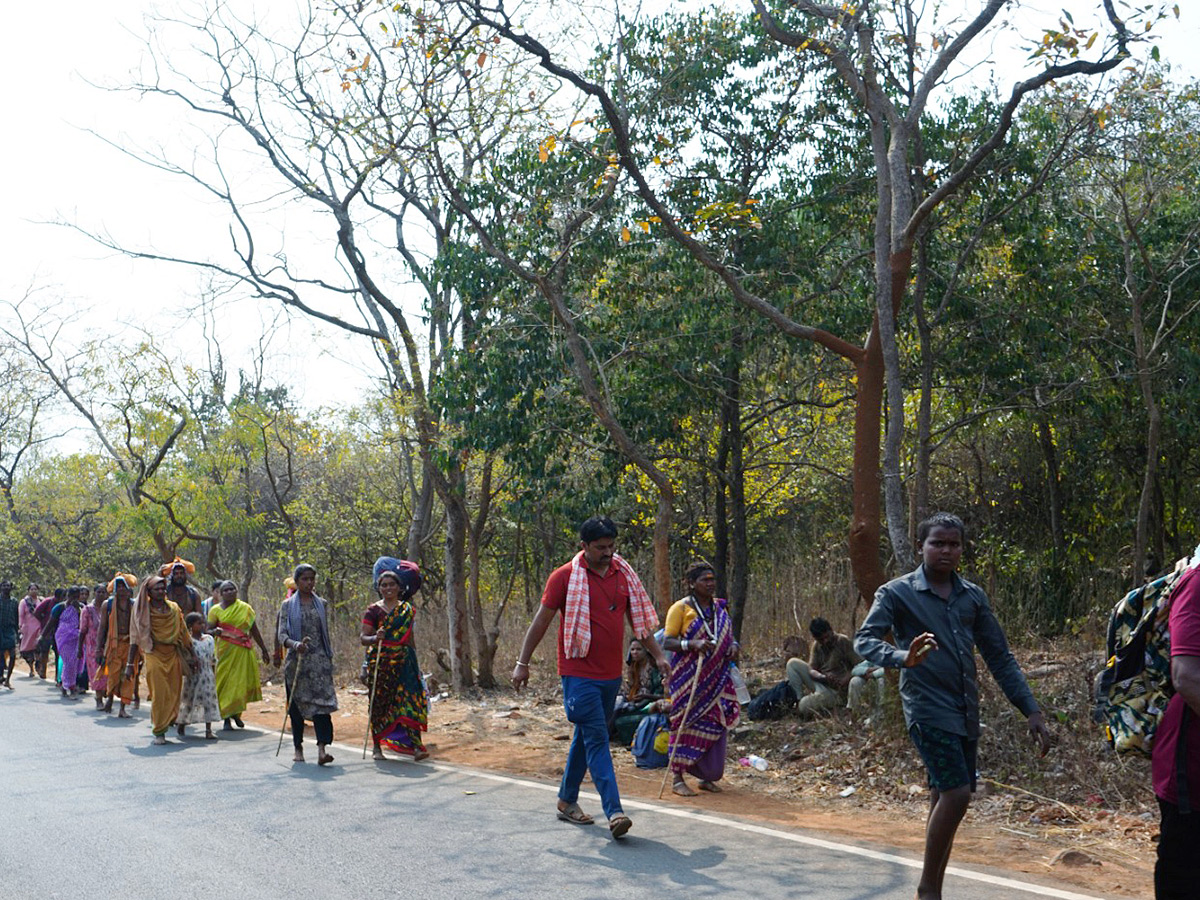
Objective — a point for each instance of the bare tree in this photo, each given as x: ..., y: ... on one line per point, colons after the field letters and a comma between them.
x: 136, y: 422
x: 24, y: 399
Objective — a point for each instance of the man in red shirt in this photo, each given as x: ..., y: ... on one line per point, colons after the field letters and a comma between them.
x: 1175, y: 764
x: 596, y: 592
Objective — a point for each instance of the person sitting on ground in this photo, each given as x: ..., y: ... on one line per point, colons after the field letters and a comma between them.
x: 825, y: 679
x: 794, y: 647
x: 641, y: 694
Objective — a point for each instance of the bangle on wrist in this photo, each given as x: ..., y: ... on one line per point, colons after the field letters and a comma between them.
x: 520, y: 663
x: 683, y: 645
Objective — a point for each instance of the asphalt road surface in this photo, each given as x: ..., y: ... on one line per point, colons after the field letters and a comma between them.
x: 90, y: 810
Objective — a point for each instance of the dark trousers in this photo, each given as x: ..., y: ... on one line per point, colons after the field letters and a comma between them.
x: 322, y: 725
x: 1177, y: 872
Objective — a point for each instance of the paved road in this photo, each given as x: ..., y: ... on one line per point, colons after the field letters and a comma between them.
x: 89, y: 809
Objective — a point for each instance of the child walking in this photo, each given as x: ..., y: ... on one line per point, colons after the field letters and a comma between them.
x: 198, y: 702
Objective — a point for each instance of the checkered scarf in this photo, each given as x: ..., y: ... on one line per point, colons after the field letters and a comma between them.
x: 577, y: 617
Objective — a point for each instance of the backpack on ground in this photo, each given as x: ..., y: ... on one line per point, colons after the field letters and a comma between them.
x: 772, y: 703
x: 648, y: 747
x: 1134, y: 687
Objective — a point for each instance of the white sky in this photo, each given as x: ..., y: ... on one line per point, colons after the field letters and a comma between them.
x: 54, y: 169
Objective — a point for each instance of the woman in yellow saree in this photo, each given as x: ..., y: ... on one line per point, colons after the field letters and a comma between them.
x: 232, y: 624
x: 156, y: 628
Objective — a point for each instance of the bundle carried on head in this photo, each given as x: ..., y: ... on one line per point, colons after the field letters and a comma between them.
x: 166, y: 568
x: 408, y: 574
x: 130, y: 581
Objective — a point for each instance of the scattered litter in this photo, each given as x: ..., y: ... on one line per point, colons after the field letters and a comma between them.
x: 850, y: 791
x: 469, y: 793
x: 358, y: 692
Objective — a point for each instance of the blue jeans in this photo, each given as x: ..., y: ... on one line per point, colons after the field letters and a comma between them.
x: 589, y: 704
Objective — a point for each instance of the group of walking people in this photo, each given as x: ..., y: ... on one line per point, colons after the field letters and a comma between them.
x: 927, y: 624
x: 197, y: 655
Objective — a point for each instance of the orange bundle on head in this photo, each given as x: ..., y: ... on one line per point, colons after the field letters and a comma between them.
x: 166, y: 568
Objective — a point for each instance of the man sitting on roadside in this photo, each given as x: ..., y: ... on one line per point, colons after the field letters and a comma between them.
x: 833, y: 674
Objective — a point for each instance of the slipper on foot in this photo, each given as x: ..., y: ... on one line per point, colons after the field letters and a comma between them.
x: 573, y: 814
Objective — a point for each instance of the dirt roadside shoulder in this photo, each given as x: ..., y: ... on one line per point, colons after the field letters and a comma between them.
x: 527, y: 736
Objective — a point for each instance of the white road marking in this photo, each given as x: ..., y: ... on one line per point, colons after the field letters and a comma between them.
x: 849, y: 849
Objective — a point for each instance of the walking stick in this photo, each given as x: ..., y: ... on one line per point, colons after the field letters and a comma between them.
x: 686, y: 711
x: 371, y: 696
x: 287, y: 701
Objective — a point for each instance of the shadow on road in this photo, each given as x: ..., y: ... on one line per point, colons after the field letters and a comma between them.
x: 158, y: 749
x: 650, y: 857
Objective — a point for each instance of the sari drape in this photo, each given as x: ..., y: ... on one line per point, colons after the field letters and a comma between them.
x: 89, y: 630
x: 164, y: 666
x: 698, y: 743
x: 238, y: 681
x: 66, y: 639
x: 400, y: 709
x: 116, y: 654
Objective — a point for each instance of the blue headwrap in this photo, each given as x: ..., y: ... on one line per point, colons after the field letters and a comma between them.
x: 405, y: 572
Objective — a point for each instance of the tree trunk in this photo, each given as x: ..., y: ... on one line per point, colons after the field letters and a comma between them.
x: 897, y: 514
x: 739, y: 553
x: 919, y: 496
x: 1058, y: 537
x: 456, y: 582
x: 720, y: 560
x: 1145, y: 380
x: 422, y: 511
x: 865, y: 524
x: 485, y: 638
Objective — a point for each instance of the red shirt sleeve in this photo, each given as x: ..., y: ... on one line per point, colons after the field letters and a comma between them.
x: 1185, y: 616
x: 555, y: 594
x: 372, y: 616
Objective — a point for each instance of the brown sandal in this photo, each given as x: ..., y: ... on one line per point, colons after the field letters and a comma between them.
x: 618, y: 825
x: 573, y: 814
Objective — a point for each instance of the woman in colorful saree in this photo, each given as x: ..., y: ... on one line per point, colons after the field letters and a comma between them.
x: 156, y: 628
x: 89, y: 637
x: 399, y: 707
x: 232, y: 624
x: 64, y: 625
x: 704, y: 703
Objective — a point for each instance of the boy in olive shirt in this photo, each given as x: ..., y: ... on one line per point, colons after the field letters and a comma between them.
x: 938, y: 619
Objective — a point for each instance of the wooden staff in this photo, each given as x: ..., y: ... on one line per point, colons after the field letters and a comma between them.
x: 686, y: 711
x: 371, y: 696
x: 287, y: 700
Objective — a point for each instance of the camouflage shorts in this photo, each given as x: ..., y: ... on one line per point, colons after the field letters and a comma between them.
x: 949, y: 758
